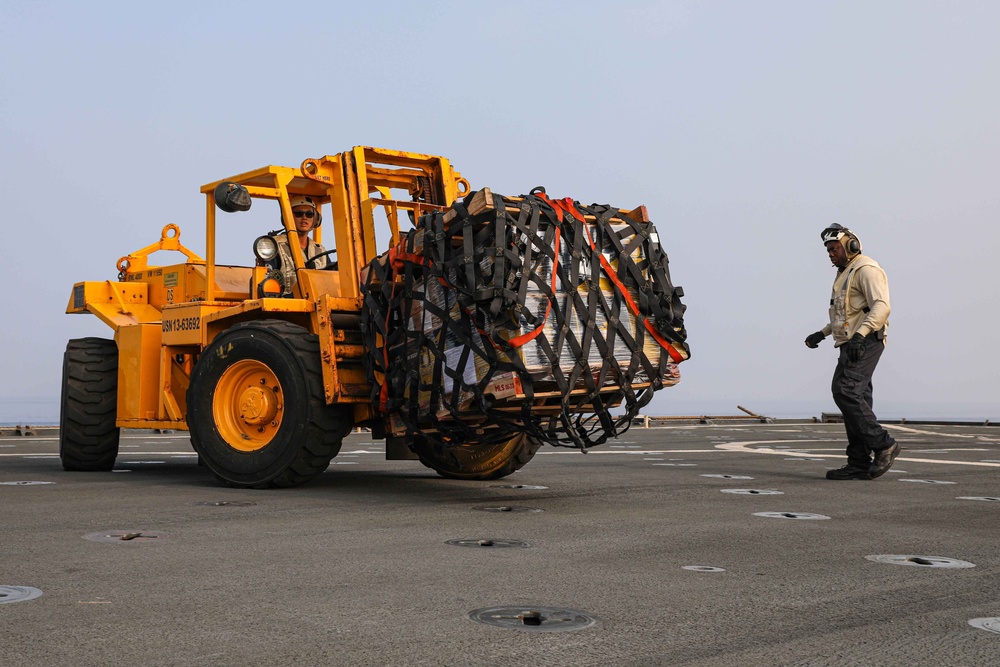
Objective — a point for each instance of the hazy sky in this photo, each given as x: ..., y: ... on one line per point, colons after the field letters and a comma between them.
x: 744, y: 127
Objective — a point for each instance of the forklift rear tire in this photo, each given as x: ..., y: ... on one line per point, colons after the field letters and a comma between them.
x: 256, y: 407
x: 88, y: 437
x: 477, y: 462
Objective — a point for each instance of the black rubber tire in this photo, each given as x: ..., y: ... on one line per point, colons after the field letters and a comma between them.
x: 88, y: 436
x: 479, y: 462
x: 310, y: 432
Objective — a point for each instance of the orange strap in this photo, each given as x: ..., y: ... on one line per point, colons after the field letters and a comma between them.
x: 566, y: 204
x: 397, y: 256
x: 518, y: 341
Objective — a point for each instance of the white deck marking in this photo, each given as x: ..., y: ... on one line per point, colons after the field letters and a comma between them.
x: 954, y: 449
x: 130, y: 454
x: 746, y: 447
x: 33, y: 438
x: 632, y: 453
x: 907, y: 429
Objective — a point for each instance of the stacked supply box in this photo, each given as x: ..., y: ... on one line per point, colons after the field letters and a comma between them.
x: 500, y: 301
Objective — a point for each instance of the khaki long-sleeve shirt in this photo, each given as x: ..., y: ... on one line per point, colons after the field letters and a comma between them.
x: 288, y: 267
x: 859, y: 302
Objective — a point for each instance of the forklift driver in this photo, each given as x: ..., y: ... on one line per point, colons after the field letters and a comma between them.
x: 307, y: 217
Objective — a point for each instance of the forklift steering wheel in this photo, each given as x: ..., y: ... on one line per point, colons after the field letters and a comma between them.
x: 330, y: 266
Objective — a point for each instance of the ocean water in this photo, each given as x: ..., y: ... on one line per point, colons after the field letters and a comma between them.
x: 29, y: 411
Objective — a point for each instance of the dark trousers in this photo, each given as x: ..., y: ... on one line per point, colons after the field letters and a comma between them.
x: 852, y: 392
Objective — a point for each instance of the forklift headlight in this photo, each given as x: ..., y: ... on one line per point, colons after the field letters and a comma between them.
x: 265, y: 248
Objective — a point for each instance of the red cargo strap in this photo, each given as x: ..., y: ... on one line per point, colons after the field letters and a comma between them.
x: 566, y: 204
x: 518, y: 341
x: 397, y: 256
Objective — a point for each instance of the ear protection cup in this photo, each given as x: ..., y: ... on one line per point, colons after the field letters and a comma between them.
x: 854, y: 244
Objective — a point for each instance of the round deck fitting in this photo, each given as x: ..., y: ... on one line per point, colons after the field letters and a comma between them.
x: 10, y: 594
x: 729, y: 476
x: 990, y: 624
x: 534, y: 619
x: 989, y: 499
x: 488, y: 543
x: 753, y: 492
x: 921, y: 561
x: 526, y: 487
x: 703, y: 568
x: 792, y: 515
x: 25, y: 483
x: 508, y: 508
x: 126, y: 536
x: 226, y: 503
x: 926, y: 481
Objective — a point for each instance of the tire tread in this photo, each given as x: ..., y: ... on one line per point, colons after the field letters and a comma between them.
x: 88, y: 436
x: 446, y: 464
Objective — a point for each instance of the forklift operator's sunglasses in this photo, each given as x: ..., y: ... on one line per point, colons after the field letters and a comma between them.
x: 303, y: 214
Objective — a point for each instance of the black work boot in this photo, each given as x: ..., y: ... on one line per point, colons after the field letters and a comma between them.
x: 848, y: 472
x: 883, y: 460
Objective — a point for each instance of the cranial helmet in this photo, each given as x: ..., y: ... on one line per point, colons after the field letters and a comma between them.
x: 844, y: 236
x: 302, y: 200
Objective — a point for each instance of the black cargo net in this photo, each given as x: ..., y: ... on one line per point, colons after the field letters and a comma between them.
x: 525, y: 315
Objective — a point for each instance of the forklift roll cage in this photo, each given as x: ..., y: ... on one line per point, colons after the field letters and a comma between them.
x: 165, y: 316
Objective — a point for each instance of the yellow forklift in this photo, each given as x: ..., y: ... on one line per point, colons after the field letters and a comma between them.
x: 265, y: 364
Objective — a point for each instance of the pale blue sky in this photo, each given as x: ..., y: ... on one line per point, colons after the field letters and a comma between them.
x: 745, y: 127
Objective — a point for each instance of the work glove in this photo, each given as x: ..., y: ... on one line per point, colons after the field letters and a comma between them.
x: 856, y: 348
x: 813, y: 340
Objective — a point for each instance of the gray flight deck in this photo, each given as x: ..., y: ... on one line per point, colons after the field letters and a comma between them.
x: 667, y: 561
